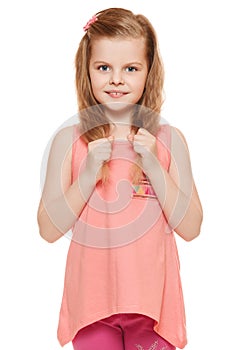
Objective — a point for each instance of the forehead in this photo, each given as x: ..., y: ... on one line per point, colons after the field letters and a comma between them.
x: 120, y: 49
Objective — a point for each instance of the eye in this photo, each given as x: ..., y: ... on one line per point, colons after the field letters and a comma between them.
x: 131, y: 69
x: 104, y: 68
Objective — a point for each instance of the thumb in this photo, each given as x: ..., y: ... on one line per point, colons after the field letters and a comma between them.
x: 142, y: 131
x: 130, y: 137
x: 110, y: 138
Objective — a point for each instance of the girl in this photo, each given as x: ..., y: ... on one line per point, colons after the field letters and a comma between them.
x: 122, y: 181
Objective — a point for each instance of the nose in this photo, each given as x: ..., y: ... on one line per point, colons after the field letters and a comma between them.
x: 116, y: 78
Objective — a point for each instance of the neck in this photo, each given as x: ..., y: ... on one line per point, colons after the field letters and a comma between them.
x: 119, y: 112
x: 120, y: 130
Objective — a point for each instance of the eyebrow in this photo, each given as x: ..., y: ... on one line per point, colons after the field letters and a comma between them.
x: 133, y: 63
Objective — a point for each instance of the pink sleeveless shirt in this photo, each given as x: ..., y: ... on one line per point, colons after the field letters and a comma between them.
x: 122, y: 259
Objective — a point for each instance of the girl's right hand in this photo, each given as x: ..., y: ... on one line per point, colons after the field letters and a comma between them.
x: 99, y: 152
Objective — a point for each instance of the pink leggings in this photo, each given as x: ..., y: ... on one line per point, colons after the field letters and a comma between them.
x: 121, y: 332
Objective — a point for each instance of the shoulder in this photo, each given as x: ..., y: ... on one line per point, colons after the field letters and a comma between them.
x: 180, y: 158
x: 64, y: 134
x: 61, y: 144
x: 178, y: 139
x: 170, y: 134
x: 174, y: 142
x: 164, y: 133
x: 170, y: 130
x: 64, y: 138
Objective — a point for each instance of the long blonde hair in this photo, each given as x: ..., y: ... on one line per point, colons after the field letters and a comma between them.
x: 120, y: 23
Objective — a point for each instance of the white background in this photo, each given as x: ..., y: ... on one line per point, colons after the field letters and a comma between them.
x: 39, y: 40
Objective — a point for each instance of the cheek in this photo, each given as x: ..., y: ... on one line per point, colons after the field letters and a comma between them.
x: 139, y: 82
x: 140, y: 86
x: 97, y: 85
x: 97, y: 81
x: 94, y: 85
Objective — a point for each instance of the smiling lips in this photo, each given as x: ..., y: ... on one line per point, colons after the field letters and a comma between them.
x: 116, y: 93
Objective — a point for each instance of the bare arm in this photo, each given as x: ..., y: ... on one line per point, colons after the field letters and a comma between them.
x: 175, y: 188
x: 184, y: 204
x: 62, y: 201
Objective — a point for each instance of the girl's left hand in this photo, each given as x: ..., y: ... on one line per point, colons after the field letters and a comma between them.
x: 144, y: 143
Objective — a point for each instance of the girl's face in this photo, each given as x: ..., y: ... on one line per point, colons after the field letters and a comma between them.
x: 118, y: 70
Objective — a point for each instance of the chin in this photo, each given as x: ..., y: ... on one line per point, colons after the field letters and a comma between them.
x: 118, y: 106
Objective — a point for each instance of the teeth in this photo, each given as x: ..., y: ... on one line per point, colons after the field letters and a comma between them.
x: 116, y: 93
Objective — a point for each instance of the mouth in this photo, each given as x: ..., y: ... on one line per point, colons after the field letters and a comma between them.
x: 116, y: 93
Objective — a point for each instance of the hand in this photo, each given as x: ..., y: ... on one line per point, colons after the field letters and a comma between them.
x: 99, y: 152
x: 144, y: 143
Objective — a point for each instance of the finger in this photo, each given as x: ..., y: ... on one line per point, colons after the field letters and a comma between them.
x: 139, y: 149
x: 140, y: 138
x: 103, y: 142
x: 130, y: 137
x: 143, y: 131
x: 103, y: 157
x: 99, y: 141
x: 111, y: 138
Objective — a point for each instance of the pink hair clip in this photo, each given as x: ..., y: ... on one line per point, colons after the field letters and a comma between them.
x: 90, y: 22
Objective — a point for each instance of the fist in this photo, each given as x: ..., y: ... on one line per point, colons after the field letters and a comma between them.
x: 144, y: 143
x: 99, y: 152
